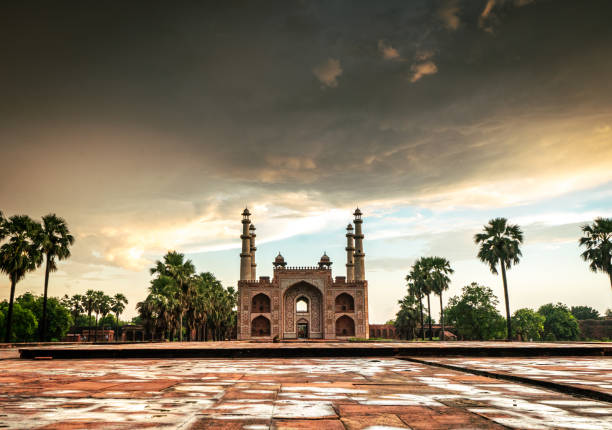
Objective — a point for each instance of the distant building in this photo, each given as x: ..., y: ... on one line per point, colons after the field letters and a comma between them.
x: 384, y: 331
x: 99, y: 335
x: 303, y: 302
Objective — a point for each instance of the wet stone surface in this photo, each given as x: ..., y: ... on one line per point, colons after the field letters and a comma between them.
x: 591, y: 373
x: 347, y: 393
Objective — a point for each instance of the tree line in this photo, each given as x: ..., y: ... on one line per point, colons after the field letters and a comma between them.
x: 27, y: 244
x: 182, y: 303
x: 179, y: 302
x: 64, y: 314
x: 473, y: 314
x: 98, y: 303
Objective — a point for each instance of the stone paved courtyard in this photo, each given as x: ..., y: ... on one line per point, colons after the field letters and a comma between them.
x: 594, y: 374
x: 325, y: 393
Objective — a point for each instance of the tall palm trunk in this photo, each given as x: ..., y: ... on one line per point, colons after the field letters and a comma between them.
x: 96, y: 330
x: 429, y: 314
x: 441, y: 318
x: 9, y: 316
x: 181, y: 327
x: 508, y: 324
x: 117, y: 327
x: 422, y: 319
x: 42, y: 332
x: 89, y: 325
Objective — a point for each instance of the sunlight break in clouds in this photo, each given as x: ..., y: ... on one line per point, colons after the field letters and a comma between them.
x: 328, y: 72
x: 423, y: 69
x: 388, y: 52
x: 449, y: 14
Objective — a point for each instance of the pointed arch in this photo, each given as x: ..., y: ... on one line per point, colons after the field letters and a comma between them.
x: 260, y: 326
x: 345, y: 326
x: 345, y: 303
x: 302, y: 304
x: 260, y: 303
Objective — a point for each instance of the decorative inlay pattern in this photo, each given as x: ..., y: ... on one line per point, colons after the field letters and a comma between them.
x: 314, y: 298
x: 318, y: 287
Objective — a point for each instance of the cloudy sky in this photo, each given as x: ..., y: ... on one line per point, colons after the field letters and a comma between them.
x: 150, y: 127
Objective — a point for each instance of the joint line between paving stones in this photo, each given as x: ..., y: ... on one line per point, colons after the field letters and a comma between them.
x: 562, y: 388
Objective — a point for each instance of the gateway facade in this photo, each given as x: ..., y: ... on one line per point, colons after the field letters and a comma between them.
x: 303, y: 302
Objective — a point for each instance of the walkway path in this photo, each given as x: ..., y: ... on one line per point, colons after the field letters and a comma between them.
x: 325, y: 393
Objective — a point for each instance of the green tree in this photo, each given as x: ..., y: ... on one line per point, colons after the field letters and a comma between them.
x: 474, y: 314
x: 597, y: 240
x: 407, y: 317
x: 528, y: 324
x: 59, y: 316
x: 75, y: 305
x: 585, y: 313
x: 18, y: 256
x: 3, y: 231
x: 89, y: 302
x: 414, y: 282
x: 180, y: 300
x: 55, y: 241
x: 420, y: 279
x: 560, y: 324
x: 439, y: 271
x: 24, y: 323
x: 151, y: 313
x: 98, y: 300
x: 118, y: 306
x: 181, y: 272
x: 104, y: 307
x: 500, y: 244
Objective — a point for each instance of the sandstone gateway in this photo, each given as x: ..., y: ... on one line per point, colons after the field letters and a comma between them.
x: 303, y: 302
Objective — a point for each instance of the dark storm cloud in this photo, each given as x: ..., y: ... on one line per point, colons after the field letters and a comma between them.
x: 164, y: 100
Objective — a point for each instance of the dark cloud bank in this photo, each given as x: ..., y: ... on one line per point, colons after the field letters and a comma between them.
x: 119, y: 101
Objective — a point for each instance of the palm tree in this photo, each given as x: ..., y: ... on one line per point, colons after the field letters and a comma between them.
x: 598, y: 243
x: 424, y: 268
x: 118, y: 306
x: 181, y: 272
x: 55, y: 241
x: 98, y: 298
x: 3, y: 231
x: 104, y: 307
x: 421, y: 284
x: 415, y: 289
x: 75, y: 304
x: 440, y: 269
x: 151, y: 311
x: 89, y: 301
x: 407, y: 317
x: 500, y: 244
x: 18, y: 256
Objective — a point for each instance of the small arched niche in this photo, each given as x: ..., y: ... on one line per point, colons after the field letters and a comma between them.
x: 345, y: 326
x: 260, y: 326
x: 345, y: 303
x: 260, y: 304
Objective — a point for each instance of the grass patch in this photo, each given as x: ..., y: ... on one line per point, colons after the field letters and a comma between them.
x: 372, y: 339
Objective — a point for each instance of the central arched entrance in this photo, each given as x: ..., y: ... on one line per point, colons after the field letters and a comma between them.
x: 302, y: 310
x: 302, y: 329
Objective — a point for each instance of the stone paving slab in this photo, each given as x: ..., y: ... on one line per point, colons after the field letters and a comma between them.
x: 242, y: 349
x: 584, y: 373
x: 326, y: 393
